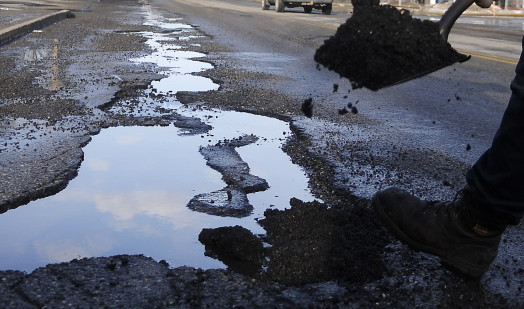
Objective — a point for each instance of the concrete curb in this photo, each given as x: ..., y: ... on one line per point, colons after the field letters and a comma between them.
x: 11, y: 33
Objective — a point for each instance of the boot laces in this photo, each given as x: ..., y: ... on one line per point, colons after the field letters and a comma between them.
x: 451, y: 208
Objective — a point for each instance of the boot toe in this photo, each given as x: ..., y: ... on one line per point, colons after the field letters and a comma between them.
x: 387, y: 202
x: 399, y: 211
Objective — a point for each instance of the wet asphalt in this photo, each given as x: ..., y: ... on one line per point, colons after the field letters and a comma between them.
x: 57, y: 87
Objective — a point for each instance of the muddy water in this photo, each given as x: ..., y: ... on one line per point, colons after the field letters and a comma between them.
x: 133, y: 187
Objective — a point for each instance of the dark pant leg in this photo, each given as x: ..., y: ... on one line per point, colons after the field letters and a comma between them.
x: 498, y: 175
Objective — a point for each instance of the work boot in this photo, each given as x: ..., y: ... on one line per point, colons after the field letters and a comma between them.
x: 454, y: 230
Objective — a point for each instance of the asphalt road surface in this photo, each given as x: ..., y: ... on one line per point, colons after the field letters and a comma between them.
x: 422, y: 135
x: 444, y: 111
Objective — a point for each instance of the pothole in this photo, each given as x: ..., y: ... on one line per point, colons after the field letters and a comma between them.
x: 132, y: 191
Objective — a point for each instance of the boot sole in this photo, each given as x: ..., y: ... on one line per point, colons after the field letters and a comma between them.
x: 464, y: 268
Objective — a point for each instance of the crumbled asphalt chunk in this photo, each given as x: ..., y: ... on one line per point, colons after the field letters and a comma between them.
x: 232, y: 200
x: 307, y: 107
x: 380, y: 45
x: 226, y: 202
x: 190, y: 125
x: 235, y: 172
x: 235, y: 246
x: 335, y: 88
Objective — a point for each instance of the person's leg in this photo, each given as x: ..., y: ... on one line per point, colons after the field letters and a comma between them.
x: 498, y: 175
x: 466, y: 232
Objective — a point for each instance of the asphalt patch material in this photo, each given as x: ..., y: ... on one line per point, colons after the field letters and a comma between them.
x: 380, y: 45
x: 313, y: 243
x: 236, y: 247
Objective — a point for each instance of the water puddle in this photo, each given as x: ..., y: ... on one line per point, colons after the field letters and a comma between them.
x: 133, y: 188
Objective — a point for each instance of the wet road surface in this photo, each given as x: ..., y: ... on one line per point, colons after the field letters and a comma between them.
x: 413, y: 135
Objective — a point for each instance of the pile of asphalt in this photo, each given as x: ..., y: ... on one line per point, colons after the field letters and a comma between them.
x: 379, y: 46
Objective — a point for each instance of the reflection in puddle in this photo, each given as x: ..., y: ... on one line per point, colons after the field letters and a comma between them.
x: 52, y: 79
x: 35, y: 54
x: 132, y: 189
x: 176, y: 83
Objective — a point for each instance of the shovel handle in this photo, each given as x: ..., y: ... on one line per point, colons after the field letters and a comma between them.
x: 451, y: 15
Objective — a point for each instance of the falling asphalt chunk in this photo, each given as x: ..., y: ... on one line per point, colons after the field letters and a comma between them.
x: 380, y: 45
x: 307, y: 107
x: 343, y: 111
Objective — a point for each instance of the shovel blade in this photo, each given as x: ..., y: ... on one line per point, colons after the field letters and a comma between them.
x: 380, y: 46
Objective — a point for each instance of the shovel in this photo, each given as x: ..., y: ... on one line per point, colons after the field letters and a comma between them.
x: 451, y: 15
x: 446, y: 22
x: 403, y: 49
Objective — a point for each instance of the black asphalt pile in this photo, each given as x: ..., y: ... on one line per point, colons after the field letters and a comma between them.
x: 379, y: 46
x: 312, y: 242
